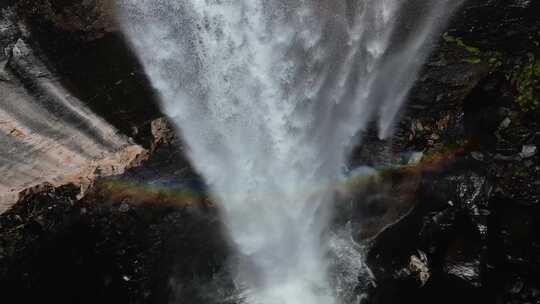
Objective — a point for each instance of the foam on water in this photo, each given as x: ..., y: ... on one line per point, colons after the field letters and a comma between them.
x: 267, y: 96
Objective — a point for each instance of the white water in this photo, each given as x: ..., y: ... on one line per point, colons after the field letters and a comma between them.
x: 267, y: 95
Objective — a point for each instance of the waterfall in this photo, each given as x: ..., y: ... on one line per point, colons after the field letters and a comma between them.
x: 267, y: 96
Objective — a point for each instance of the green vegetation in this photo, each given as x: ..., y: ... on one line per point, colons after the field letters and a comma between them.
x: 526, y: 79
x: 494, y: 59
x: 473, y: 60
x: 460, y: 43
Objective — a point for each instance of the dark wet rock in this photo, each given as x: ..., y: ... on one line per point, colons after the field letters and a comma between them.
x: 165, y: 178
x: 468, y: 272
x: 9, y: 32
x: 89, y: 20
x: 162, y: 133
x: 119, y: 248
x: 440, y: 242
x: 379, y: 199
x: 475, y: 214
x: 460, y: 207
x: 511, y: 26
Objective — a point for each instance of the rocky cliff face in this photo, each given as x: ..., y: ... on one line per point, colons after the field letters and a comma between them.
x: 470, y: 233
x: 450, y: 214
x: 48, y: 127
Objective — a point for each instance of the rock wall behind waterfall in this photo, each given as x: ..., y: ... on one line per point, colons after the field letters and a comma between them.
x: 48, y: 132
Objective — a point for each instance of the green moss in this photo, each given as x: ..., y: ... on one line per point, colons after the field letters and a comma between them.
x: 494, y: 59
x: 473, y: 60
x: 526, y: 79
x: 460, y: 43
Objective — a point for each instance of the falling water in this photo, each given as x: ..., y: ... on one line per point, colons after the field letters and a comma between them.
x: 268, y: 96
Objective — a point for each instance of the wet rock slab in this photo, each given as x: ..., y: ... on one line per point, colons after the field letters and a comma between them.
x: 59, y: 65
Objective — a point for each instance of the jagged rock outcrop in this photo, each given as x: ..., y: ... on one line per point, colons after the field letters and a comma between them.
x: 50, y: 136
x: 473, y: 115
x: 49, y: 131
